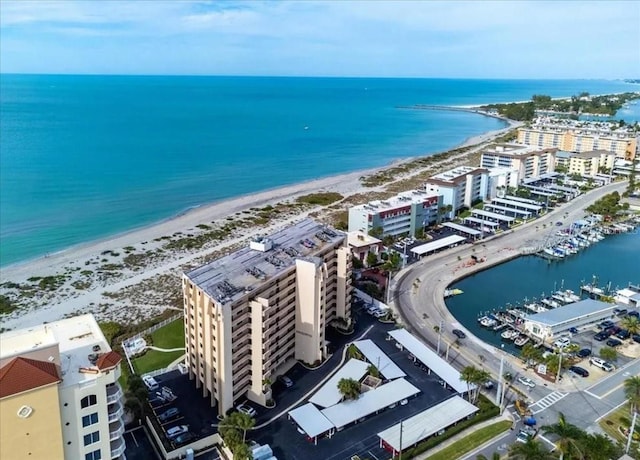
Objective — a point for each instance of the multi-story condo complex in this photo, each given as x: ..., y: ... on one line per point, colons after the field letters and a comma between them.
x: 459, y: 187
x: 251, y: 315
x: 579, y: 139
x: 59, y: 393
x: 402, y: 214
x: 526, y: 160
x: 586, y: 163
x: 499, y: 181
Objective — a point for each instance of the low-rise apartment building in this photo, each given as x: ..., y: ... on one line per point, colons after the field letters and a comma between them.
x: 589, y: 163
x: 499, y: 180
x: 363, y: 244
x: 402, y: 214
x: 251, y: 315
x: 459, y: 187
x: 59, y: 393
x: 579, y: 139
x: 528, y: 161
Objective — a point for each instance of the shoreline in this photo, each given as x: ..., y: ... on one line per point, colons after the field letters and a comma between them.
x: 135, y: 276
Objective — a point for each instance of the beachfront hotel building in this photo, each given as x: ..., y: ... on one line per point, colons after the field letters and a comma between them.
x: 251, y: 315
x: 579, y: 139
x: 587, y: 163
x: 529, y: 162
x: 402, y: 214
x: 499, y: 180
x: 460, y: 187
x: 59, y: 393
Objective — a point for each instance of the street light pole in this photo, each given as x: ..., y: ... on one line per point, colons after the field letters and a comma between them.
x: 400, y: 447
x: 439, y: 336
x: 500, y: 384
x: 633, y: 426
x: 559, y: 366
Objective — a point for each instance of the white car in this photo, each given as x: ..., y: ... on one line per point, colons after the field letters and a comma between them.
x: 562, y: 343
x: 150, y: 382
x: 246, y: 409
x: 523, y: 436
x: 527, y: 382
x: 177, y: 431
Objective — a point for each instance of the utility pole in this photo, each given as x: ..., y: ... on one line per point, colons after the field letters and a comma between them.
x: 633, y: 426
x: 400, y: 447
x: 500, y: 384
x: 439, y: 336
x: 388, y: 299
x: 559, y: 366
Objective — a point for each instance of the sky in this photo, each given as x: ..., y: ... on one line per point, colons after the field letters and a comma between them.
x: 454, y: 39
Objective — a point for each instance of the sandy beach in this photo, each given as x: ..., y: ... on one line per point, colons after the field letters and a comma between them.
x: 136, y: 275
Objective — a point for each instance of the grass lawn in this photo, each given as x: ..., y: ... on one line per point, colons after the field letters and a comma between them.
x: 611, y: 422
x: 169, y: 336
x: 472, y: 441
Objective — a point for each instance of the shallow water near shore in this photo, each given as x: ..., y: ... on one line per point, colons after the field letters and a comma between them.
x: 85, y: 157
x: 613, y: 260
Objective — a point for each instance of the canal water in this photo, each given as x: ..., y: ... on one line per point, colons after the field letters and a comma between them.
x: 615, y: 260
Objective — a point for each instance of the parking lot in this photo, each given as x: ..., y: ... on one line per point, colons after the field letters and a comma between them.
x: 139, y: 445
x: 359, y: 439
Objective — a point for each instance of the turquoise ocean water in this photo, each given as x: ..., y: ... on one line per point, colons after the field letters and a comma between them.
x: 613, y: 261
x: 85, y: 157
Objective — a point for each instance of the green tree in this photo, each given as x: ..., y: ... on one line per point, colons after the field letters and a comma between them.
x: 632, y: 392
x: 233, y: 429
x: 373, y: 371
x: 242, y: 452
x: 110, y: 329
x: 529, y: 351
x: 349, y: 388
x: 631, y: 324
x: 530, y: 450
x: 474, y: 376
x: 376, y: 232
x: 569, y: 437
x: 599, y: 447
x: 393, y: 261
x: 608, y: 353
x: 372, y: 259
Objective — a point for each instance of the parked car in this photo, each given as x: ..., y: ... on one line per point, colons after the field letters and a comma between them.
x: 177, y: 431
x: 623, y: 334
x: 527, y: 382
x: 605, y: 324
x: 488, y: 384
x: 601, y: 363
x: 582, y: 372
x: 613, y: 330
x: 600, y: 336
x: 523, y: 436
x: 150, y: 382
x: 558, y: 224
x: 183, y: 438
x: 573, y: 330
x: 286, y: 381
x: 613, y: 342
x: 636, y: 338
x: 620, y: 311
x: 165, y: 395
x: 634, y: 313
x: 379, y: 314
x: 458, y: 333
x: 562, y: 343
x: 169, y: 414
x: 245, y: 408
x: 584, y: 353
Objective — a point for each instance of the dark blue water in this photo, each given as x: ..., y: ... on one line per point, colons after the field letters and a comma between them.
x: 83, y: 157
x: 615, y: 260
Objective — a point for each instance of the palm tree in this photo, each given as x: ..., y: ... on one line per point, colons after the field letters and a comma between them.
x: 568, y: 435
x: 632, y: 392
x: 243, y: 422
x: 631, y: 324
x: 242, y: 452
x: 349, y: 388
x: 530, y: 450
x: 468, y: 375
x: 495, y: 456
x: 600, y: 447
x: 474, y: 376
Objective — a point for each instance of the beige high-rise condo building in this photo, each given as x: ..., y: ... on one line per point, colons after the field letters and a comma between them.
x: 251, y: 315
x: 527, y: 161
x: 59, y: 393
x: 572, y: 139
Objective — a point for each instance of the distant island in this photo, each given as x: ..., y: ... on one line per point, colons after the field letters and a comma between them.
x: 633, y: 80
x: 573, y: 107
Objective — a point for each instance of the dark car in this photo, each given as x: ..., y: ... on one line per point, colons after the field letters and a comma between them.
x: 582, y: 372
x: 636, y: 338
x: 573, y: 330
x: 286, y: 381
x: 619, y: 311
x: 458, y: 333
x: 606, y: 324
x: 169, y: 414
x: 600, y: 336
x: 584, y: 353
x: 613, y: 342
x: 623, y: 334
x: 558, y: 224
x: 634, y: 313
x: 183, y: 438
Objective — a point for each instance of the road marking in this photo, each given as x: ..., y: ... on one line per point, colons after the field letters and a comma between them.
x: 371, y: 453
x: 546, y: 440
x: 612, y: 390
x: 134, y: 439
x: 591, y: 394
x: 607, y: 413
x: 547, y: 401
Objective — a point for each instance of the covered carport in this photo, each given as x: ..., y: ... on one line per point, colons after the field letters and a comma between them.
x: 427, y: 423
x: 492, y: 216
x: 436, y: 245
x: 513, y: 212
x: 311, y: 421
x: 520, y: 199
x: 472, y: 232
x: 492, y: 226
x: 532, y: 208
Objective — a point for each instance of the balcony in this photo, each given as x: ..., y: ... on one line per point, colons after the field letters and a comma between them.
x: 116, y: 430
x: 117, y: 448
x: 115, y: 412
x: 114, y: 393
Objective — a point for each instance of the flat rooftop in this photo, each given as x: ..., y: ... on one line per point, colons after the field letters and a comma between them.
x: 456, y: 174
x: 77, y: 338
x: 570, y: 312
x: 230, y: 277
x: 514, y: 150
x: 399, y: 201
x: 359, y: 239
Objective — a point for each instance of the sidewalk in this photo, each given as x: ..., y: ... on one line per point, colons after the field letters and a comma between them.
x: 463, y: 434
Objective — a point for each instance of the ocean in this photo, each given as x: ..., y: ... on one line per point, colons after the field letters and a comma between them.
x: 611, y: 262
x: 86, y: 157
